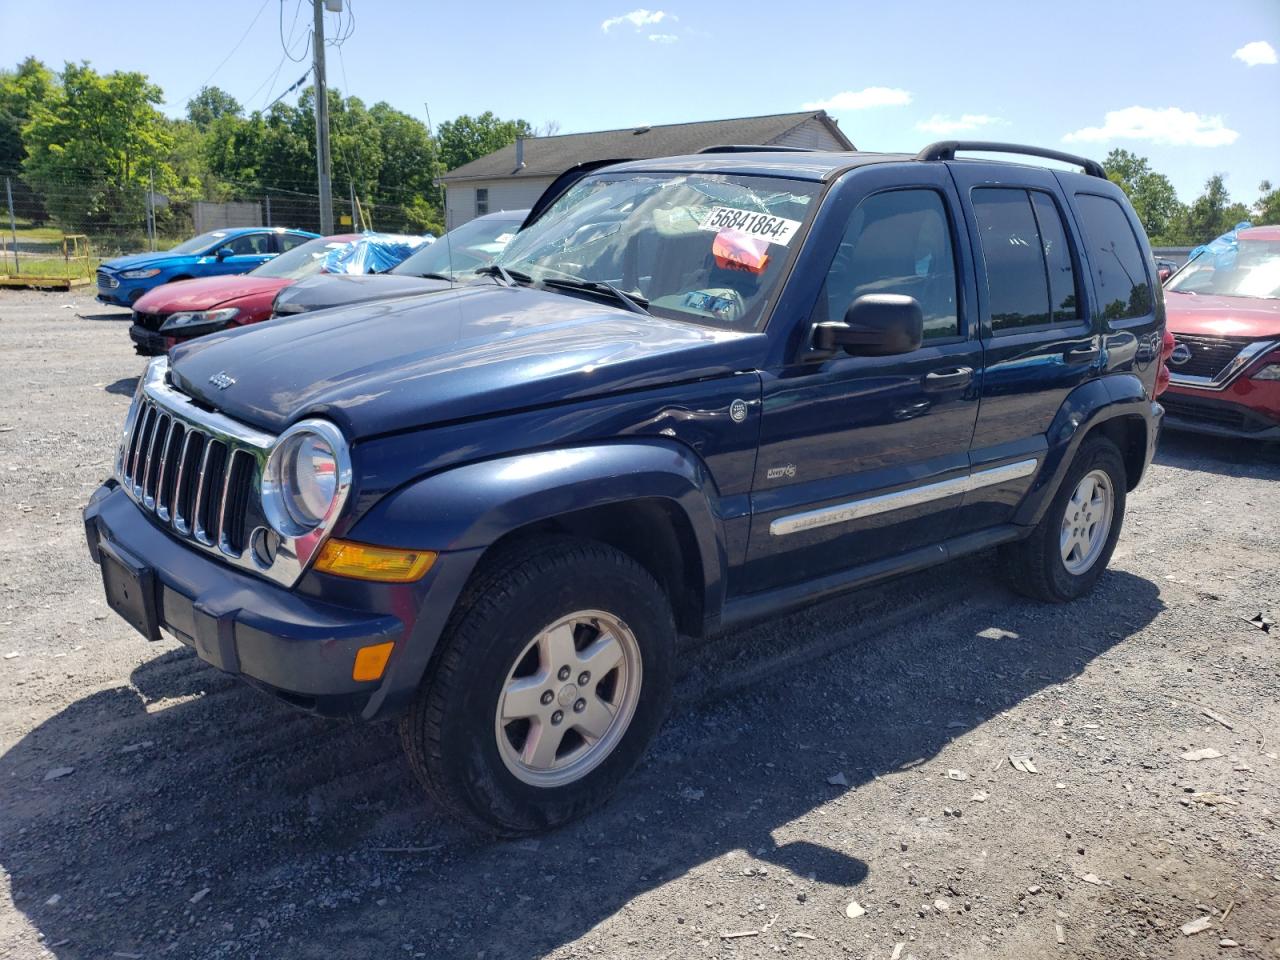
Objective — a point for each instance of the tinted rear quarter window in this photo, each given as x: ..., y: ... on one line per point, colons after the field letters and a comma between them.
x: 1017, y: 286
x: 1064, y: 302
x: 1119, y: 269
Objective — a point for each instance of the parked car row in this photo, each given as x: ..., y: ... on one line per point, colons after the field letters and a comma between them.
x: 204, y: 286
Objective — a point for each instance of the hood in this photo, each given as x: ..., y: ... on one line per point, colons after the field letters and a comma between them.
x: 467, y: 352
x: 135, y: 260
x: 337, y: 289
x: 207, y: 293
x: 1211, y: 316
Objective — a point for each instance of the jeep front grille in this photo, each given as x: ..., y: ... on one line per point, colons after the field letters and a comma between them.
x: 198, y: 483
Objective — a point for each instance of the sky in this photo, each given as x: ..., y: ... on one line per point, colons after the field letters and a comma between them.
x: 1193, y: 86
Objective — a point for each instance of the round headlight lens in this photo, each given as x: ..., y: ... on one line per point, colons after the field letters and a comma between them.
x: 310, y: 479
x: 304, y: 478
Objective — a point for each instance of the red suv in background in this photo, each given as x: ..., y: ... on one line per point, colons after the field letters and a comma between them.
x: 1223, y: 308
x: 179, y: 311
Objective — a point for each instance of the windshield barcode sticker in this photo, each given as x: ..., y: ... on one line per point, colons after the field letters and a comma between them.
x: 763, y: 225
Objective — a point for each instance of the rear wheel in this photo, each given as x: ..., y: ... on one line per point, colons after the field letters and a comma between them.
x: 554, y: 673
x: 1070, y: 547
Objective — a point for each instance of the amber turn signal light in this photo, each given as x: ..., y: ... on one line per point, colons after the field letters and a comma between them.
x: 371, y: 661
x: 363, y: 562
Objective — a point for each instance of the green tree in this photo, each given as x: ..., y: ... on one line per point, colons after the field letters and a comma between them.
x: 468, y: 138
x: 1267, y: 209
x: 1212, y: 213
x: 210, y: 104
x: 1152, y: 194
x: 410, y: 165
x: 20, y: 90
x: 92, y: 144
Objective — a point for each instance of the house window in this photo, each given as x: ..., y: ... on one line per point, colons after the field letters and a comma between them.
x: 482, y: 201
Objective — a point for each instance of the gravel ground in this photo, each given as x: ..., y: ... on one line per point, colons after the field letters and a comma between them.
x: 856, y: 752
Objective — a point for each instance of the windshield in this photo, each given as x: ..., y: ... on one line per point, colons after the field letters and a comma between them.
x: 301, y: 261
x: 459, y: 252
x: 202, y: 242
x: 1251, y: 269
x: 707, y: 248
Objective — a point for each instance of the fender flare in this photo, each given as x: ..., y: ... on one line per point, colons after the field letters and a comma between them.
x: 466, y: 509
x: 1085, y: 408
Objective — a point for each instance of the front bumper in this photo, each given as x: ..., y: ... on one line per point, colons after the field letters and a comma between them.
x: 148, y: 343
x: 295, y: 646
x: 1249, y: 410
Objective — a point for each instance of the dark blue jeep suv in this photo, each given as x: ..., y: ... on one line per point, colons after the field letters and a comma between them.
x: 693, y: 391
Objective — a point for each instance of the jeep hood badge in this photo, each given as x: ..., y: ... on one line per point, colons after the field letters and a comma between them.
x: 222, y: 380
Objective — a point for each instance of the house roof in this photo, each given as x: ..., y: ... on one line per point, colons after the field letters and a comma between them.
x: 551, y: 156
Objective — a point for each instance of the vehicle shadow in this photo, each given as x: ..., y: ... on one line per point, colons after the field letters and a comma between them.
x: 1221, y: 455
x: 123, y: 313
x: 124, y: 387
x: 202, y: 818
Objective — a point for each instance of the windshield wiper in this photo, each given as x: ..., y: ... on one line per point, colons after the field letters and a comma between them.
x: 436, y: 276
x: 509, y: 278
x: 634, y: 304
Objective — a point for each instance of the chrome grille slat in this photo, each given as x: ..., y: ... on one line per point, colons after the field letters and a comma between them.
x: 195, y: 480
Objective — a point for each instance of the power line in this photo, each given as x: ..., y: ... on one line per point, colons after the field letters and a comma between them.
x: 229, y: 55
x: 293, y: 26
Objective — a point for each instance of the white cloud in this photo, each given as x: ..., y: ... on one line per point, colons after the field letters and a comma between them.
x: 637, y: 18
x: 1182, y: 128
x: 1256, y: 53
x: 863, y: 99
x: 663, y: 37
x: 944, y: 125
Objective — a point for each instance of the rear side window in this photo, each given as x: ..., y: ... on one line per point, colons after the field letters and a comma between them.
x: 1030, y: 275
x: 898, y: 242
x: 1119, y: 269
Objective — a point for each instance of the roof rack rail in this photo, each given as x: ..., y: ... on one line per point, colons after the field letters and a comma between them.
x: 754, y: 148
x: 946, y: 150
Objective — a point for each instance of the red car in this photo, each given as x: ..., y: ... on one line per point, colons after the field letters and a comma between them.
x: 1223, y: 309
x: 191, y: 308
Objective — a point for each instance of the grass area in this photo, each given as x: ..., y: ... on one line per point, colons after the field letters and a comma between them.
x: 48, y: 267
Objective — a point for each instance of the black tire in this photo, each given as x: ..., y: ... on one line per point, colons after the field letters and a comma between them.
x: 1034, y: 566
x: 449, y: 731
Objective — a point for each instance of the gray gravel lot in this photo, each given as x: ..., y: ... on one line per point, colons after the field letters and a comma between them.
x: 857, y: 751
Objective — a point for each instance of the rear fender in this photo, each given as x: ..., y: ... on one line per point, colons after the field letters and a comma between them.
x: 1085, y: 409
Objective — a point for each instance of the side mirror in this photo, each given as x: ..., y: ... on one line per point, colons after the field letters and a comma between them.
x: 224, y: 252
x: 875, y: 325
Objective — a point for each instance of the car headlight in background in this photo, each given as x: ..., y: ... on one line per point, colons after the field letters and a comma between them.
x: 306, y: 479
x: 199, y: 318
x: 140, y: 274
x: 1270, y: 372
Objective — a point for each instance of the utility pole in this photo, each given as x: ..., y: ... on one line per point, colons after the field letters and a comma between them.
x: 13, y: 226
x: 323, y: 170
x: 268, y: 199
x: 355, y: 216
x: 151, y: 209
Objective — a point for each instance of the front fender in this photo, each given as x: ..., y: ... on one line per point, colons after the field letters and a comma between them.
x: 1084, y: 409
x: 461, y: 511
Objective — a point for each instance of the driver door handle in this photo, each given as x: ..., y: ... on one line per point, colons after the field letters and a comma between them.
x: 948, y: 379
x: 1080, y: 354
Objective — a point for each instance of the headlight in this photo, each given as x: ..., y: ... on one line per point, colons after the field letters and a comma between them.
x: 140, y: 274
x: 306, y: 478
x: 198, y: 318
x: 1270, y: 372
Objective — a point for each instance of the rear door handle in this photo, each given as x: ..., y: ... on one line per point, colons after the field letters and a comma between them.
x: 948, y: 379
x: 1080, y: 354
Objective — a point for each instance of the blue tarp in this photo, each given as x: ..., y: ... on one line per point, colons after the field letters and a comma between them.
x: 373, y: 253
x: 1223, y: 248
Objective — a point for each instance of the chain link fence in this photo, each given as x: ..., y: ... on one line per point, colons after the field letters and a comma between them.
x: 38, y: 241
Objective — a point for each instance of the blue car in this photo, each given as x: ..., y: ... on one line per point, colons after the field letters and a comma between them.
x: 217, y: 253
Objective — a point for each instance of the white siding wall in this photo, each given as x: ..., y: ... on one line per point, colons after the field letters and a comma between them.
x: 460, y: 199
x: 812, y: 135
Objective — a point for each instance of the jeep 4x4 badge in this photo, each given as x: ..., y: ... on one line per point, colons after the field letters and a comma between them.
x: 222, y: 380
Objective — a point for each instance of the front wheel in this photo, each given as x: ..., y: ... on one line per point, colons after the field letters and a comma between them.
x: 554, y: 674
x: 1070, y: 547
